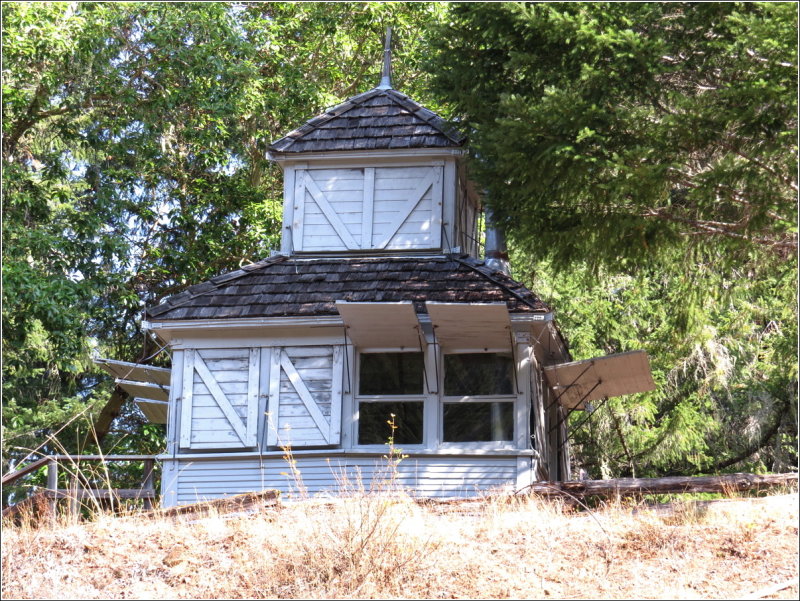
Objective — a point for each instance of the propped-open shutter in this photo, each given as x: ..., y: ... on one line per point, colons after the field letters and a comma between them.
x: 305, y: 399
x: 219, y: 399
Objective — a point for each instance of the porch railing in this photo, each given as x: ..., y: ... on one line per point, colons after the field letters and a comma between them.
x: 77, y: 489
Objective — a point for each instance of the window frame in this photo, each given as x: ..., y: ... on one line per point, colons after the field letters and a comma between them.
x: 433, y: 399
x: 358, y: 398
x: 516, y: 398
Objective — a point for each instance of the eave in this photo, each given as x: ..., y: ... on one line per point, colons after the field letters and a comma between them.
x: 291, y: 158
x: 167, y: 330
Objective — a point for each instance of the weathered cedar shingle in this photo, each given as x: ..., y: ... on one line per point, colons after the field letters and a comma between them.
x: 376, y: 119
x: 283, y: 286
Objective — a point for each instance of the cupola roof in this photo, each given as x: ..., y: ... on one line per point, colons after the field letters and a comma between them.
x: 379, y: 119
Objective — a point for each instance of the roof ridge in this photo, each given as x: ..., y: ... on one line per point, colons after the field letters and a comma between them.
x: 481, y: 269
x: 433, y: 119
x: 336, y: 110
x: 340, y: 109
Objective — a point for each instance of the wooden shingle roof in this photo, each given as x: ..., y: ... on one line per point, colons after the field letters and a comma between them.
x: 287, y: 286
x: 375, y: 120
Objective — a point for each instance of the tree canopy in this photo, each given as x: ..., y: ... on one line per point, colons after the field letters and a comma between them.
x: 643, y: 157
x: 134, y: 165
x: 616, y: 129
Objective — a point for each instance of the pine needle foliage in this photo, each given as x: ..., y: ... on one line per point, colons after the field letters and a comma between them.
x: 643, y: 158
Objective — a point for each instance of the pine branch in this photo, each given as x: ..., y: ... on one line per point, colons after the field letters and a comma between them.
x: 787, y: 181
x: 766, y: 436
x: 703, y: 227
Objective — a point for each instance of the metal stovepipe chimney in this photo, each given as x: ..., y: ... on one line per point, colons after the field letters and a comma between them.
x: 496, y: 251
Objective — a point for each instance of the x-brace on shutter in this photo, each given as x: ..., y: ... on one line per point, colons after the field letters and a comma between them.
x: 305, y: 398
x: 219, y: 398
x: 367, y: 208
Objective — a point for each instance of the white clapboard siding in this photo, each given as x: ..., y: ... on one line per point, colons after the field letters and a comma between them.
x: 431, y: 476
x: 305, y: 397
x: 219, y: 398
x: 367, y: 208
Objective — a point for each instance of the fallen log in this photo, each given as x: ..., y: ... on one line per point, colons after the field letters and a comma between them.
x: 770, y: 590
x: 242, y: 502
x: 36, y: 505
x: 668, y: 485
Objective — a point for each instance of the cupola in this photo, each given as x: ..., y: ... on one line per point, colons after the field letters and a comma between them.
x: 378, y: 173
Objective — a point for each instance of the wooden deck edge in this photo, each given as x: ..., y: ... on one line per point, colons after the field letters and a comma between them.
x: 565, y: 490
x: 36, y: 500
x: 72, y: 460
x: 101, y: 493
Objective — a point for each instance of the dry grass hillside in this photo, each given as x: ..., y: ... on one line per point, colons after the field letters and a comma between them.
x: 368, y: 546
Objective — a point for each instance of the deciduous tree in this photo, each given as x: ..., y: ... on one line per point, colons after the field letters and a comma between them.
x: 134, y: 165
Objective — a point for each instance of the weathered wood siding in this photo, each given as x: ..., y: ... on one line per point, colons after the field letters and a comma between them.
x: 255, y: 397
x: 340, y: 209
x: 328, y: 209
x: 434, y: 476
x: 466, y: 219
x: 407, y: 209
x: 558, y: 440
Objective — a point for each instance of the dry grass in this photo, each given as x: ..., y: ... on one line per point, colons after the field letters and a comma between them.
x: 389, y: 546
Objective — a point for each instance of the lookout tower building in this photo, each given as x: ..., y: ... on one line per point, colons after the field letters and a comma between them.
x: 377, y: 321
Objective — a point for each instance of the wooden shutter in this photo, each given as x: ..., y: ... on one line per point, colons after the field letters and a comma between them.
x: 219, y: 399
x: 305, y: 398
x: 328, y: 205
x: 368, y: 208
x: 407, y: 207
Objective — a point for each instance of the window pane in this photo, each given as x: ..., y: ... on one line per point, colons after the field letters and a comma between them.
x: 478, y: 422
x: 390, y: 373
x: 373, y: 426
x: 478, y: 373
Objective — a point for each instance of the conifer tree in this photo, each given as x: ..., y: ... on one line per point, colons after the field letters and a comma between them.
x: 643, y: 157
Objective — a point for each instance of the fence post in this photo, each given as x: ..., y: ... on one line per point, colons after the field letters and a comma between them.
x: 74, y: 506
x: 148, y: 483
x: 52, y: 484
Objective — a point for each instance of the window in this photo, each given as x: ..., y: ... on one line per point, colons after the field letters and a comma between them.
x: 390, y: 384
x: 479, y: 398
x: 374, y: 421
x: 478, y: 422
x: 477, y: 374
x: 390, y: 373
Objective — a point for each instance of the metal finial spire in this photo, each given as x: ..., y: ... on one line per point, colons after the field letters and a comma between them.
x: 386, y: 76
